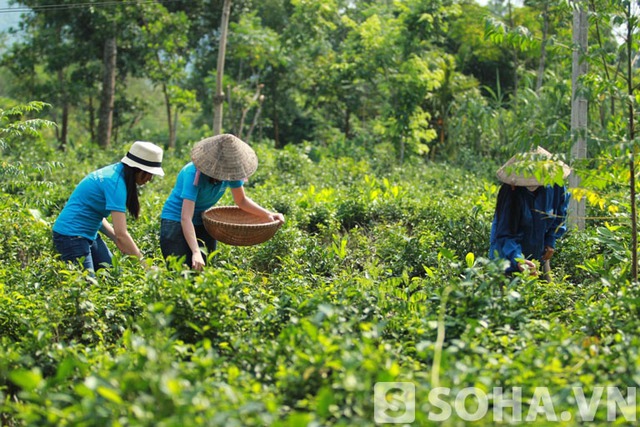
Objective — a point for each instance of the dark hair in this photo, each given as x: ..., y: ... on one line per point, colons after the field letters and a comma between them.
x: 508, y: 194
x: 133, y: 204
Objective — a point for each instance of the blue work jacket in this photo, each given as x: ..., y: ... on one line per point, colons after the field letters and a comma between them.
x: 525, y: 222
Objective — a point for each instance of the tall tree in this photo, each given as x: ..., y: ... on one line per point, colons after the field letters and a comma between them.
x: 254, y: 50
x: 75, y: 45
x: 513, y: 33
x: 46, y: 56
x: 107, y: 98
x: 629, y: 12
x: 545, y: 13
x: 474, y: 56
x: 165, y: 36
x: 370, y: 65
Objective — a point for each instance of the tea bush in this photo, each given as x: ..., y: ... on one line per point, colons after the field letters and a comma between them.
x: 379, y: 274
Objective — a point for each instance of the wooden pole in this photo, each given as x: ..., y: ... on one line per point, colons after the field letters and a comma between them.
x: 218, y: 98
x: 579, y: 105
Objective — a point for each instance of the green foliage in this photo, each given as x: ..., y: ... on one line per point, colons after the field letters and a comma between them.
x: 16, y: 123
x: 370, y: 265
x: 519, y: 37
x: 379, y: 273
x: 454, y: 80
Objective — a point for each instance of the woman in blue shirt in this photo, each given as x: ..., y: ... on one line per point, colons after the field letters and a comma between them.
x: 219, y: 162
x: 111, y: 190
x: 529, y: 217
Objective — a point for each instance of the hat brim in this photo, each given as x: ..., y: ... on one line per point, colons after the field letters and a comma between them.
x: 151, y: 169
x: 518, y: 170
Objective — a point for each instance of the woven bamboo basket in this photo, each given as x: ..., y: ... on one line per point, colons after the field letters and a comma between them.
x: 233, y: 226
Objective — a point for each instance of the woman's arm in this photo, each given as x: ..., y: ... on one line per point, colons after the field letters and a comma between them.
x: 246, y: 204
x: 121, y: 236
x: 107, y: 229
x: 189, y: 232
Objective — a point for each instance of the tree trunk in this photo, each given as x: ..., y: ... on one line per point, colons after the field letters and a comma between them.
x: 173, y: 136
x: 108, y: 93
x: 632, y: 136
x: 218, y: 98
x: 64, y: 132
x: 92, y: 119
x: 347, y: 123
x: 257, y: 98
x: 275, y: 119
x: 579, y: 105
x: 256, y: 116
x: 170, y: 123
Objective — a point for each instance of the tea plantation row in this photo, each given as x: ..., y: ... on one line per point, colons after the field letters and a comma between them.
x: 379, y: 275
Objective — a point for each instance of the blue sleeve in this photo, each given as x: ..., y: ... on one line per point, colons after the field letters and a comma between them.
x: 115, y: 194
x: 188, y: 190
x: 507, y: 242
x: 236, y: 184
x: 558, y: 226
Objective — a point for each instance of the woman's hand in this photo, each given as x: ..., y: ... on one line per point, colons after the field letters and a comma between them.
x: 197, y: 262
x: 248, y: 205
x: 189, y: 233
x: 548, y: 253
x: 528, y: 265
x: 277, y: 217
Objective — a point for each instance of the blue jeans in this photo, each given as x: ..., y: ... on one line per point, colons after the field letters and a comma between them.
x: 94, y: 253
x: 173, y: 243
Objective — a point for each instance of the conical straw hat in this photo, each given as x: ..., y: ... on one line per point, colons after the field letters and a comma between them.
x: 518, y: 170
x: 224, y: 157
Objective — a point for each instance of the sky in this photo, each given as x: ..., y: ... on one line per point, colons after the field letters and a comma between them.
x: 7, y: 18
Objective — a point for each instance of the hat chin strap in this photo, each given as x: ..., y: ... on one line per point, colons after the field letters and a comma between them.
x: 196, y: 180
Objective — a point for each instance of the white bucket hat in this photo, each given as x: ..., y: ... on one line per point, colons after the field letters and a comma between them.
x: 145, y: 156
x: 518, y: 170
x: 224, y: 157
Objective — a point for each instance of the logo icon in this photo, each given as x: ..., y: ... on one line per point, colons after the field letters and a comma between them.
x: 394, y: 402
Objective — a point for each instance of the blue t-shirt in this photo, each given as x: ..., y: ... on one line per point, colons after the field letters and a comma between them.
x: 205, y: 194
x: 95, y: 197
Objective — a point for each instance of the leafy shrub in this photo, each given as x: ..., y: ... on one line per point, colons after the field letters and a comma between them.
x: 377, y: 275
x: 353, y: 213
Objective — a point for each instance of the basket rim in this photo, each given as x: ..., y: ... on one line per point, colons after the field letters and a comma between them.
x: 206, y: 218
